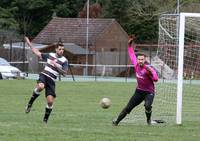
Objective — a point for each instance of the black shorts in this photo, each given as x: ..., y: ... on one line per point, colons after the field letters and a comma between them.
x: 137, y: 98
x: 49, y: 85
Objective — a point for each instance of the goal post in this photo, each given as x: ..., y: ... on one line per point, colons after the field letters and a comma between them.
x: 181, y: 63
x: 179, y: 50
x: 180, y: 68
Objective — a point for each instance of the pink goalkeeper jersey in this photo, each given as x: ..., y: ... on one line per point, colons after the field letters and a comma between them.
x: 145, y: 81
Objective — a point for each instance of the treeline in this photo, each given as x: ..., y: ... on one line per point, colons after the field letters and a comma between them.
x: 139, y: 17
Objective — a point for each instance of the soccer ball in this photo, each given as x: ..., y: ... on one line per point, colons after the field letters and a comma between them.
x: 105, y: 103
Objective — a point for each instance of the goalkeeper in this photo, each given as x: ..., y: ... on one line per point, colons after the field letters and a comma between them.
x: 145, y: 91
x: 56, y: 64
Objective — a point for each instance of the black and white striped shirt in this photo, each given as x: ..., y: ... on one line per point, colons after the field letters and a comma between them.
x: 49, y: 69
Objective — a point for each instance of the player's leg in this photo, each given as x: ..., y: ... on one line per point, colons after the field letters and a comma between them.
x: 135, y: 100
x: 48, y: 108
x: 39, y: 87
x: 50, y: 95
x: 148, y: 106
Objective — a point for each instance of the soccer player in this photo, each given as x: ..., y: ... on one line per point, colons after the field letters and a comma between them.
x: 56, y: 64
x: 145, y: 91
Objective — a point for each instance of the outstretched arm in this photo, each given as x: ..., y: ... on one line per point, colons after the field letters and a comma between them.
x: 35, y: 51
x: 131, y: 51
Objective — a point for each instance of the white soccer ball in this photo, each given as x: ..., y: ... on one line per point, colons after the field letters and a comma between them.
x: 105, y: 103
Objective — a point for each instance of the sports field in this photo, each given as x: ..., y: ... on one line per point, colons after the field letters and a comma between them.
x: 77, y: 115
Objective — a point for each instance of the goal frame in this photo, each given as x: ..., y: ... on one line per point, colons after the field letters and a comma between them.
x: 181, y: 37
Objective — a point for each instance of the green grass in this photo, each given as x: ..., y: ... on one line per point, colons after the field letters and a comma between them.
x: 77, y: 115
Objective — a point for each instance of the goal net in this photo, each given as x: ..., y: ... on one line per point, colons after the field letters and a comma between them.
x: 178, y: 57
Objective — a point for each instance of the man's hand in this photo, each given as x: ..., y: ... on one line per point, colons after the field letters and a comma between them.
x: 27, y: 41
x: 60, y: 70
x: 131, y: 38
x: 53, y: 62
x: 148, y: 68
x: 152, y: 73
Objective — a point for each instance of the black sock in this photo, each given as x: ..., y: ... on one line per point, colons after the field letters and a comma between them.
x: 148, y: 115
x: 121, y: 116
x: 47, y: 114
x: 33, y: 97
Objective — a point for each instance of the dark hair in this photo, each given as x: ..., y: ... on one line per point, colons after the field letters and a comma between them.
x: 59, y: 44
x: 141, y: 54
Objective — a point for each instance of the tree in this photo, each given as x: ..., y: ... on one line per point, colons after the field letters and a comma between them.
x: 31, y: 15
x: 144, y: 15
x: 95, y: 11
x: 116, y: 9
x: 143, y: 21
x: 138, y: 17
x: 8, y: 26
x: 67, y: 8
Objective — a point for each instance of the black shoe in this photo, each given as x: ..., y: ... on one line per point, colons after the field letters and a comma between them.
x: 28, y: 108
x: 114, y: 122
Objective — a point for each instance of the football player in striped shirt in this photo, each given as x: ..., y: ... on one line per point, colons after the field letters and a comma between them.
x: 56, y: 64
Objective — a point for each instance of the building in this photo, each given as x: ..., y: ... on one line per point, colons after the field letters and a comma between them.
x: 107, y: 41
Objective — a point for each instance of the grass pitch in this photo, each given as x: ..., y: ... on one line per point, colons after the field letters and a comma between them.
x: 77, y: 116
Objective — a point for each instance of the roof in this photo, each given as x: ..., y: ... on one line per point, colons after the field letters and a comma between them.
x: 75, y: 49
x: 72, y: 30
x: 21, y: 45
x: 72, y: 48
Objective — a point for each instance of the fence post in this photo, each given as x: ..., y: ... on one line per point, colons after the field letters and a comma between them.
x: 10, y: 56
